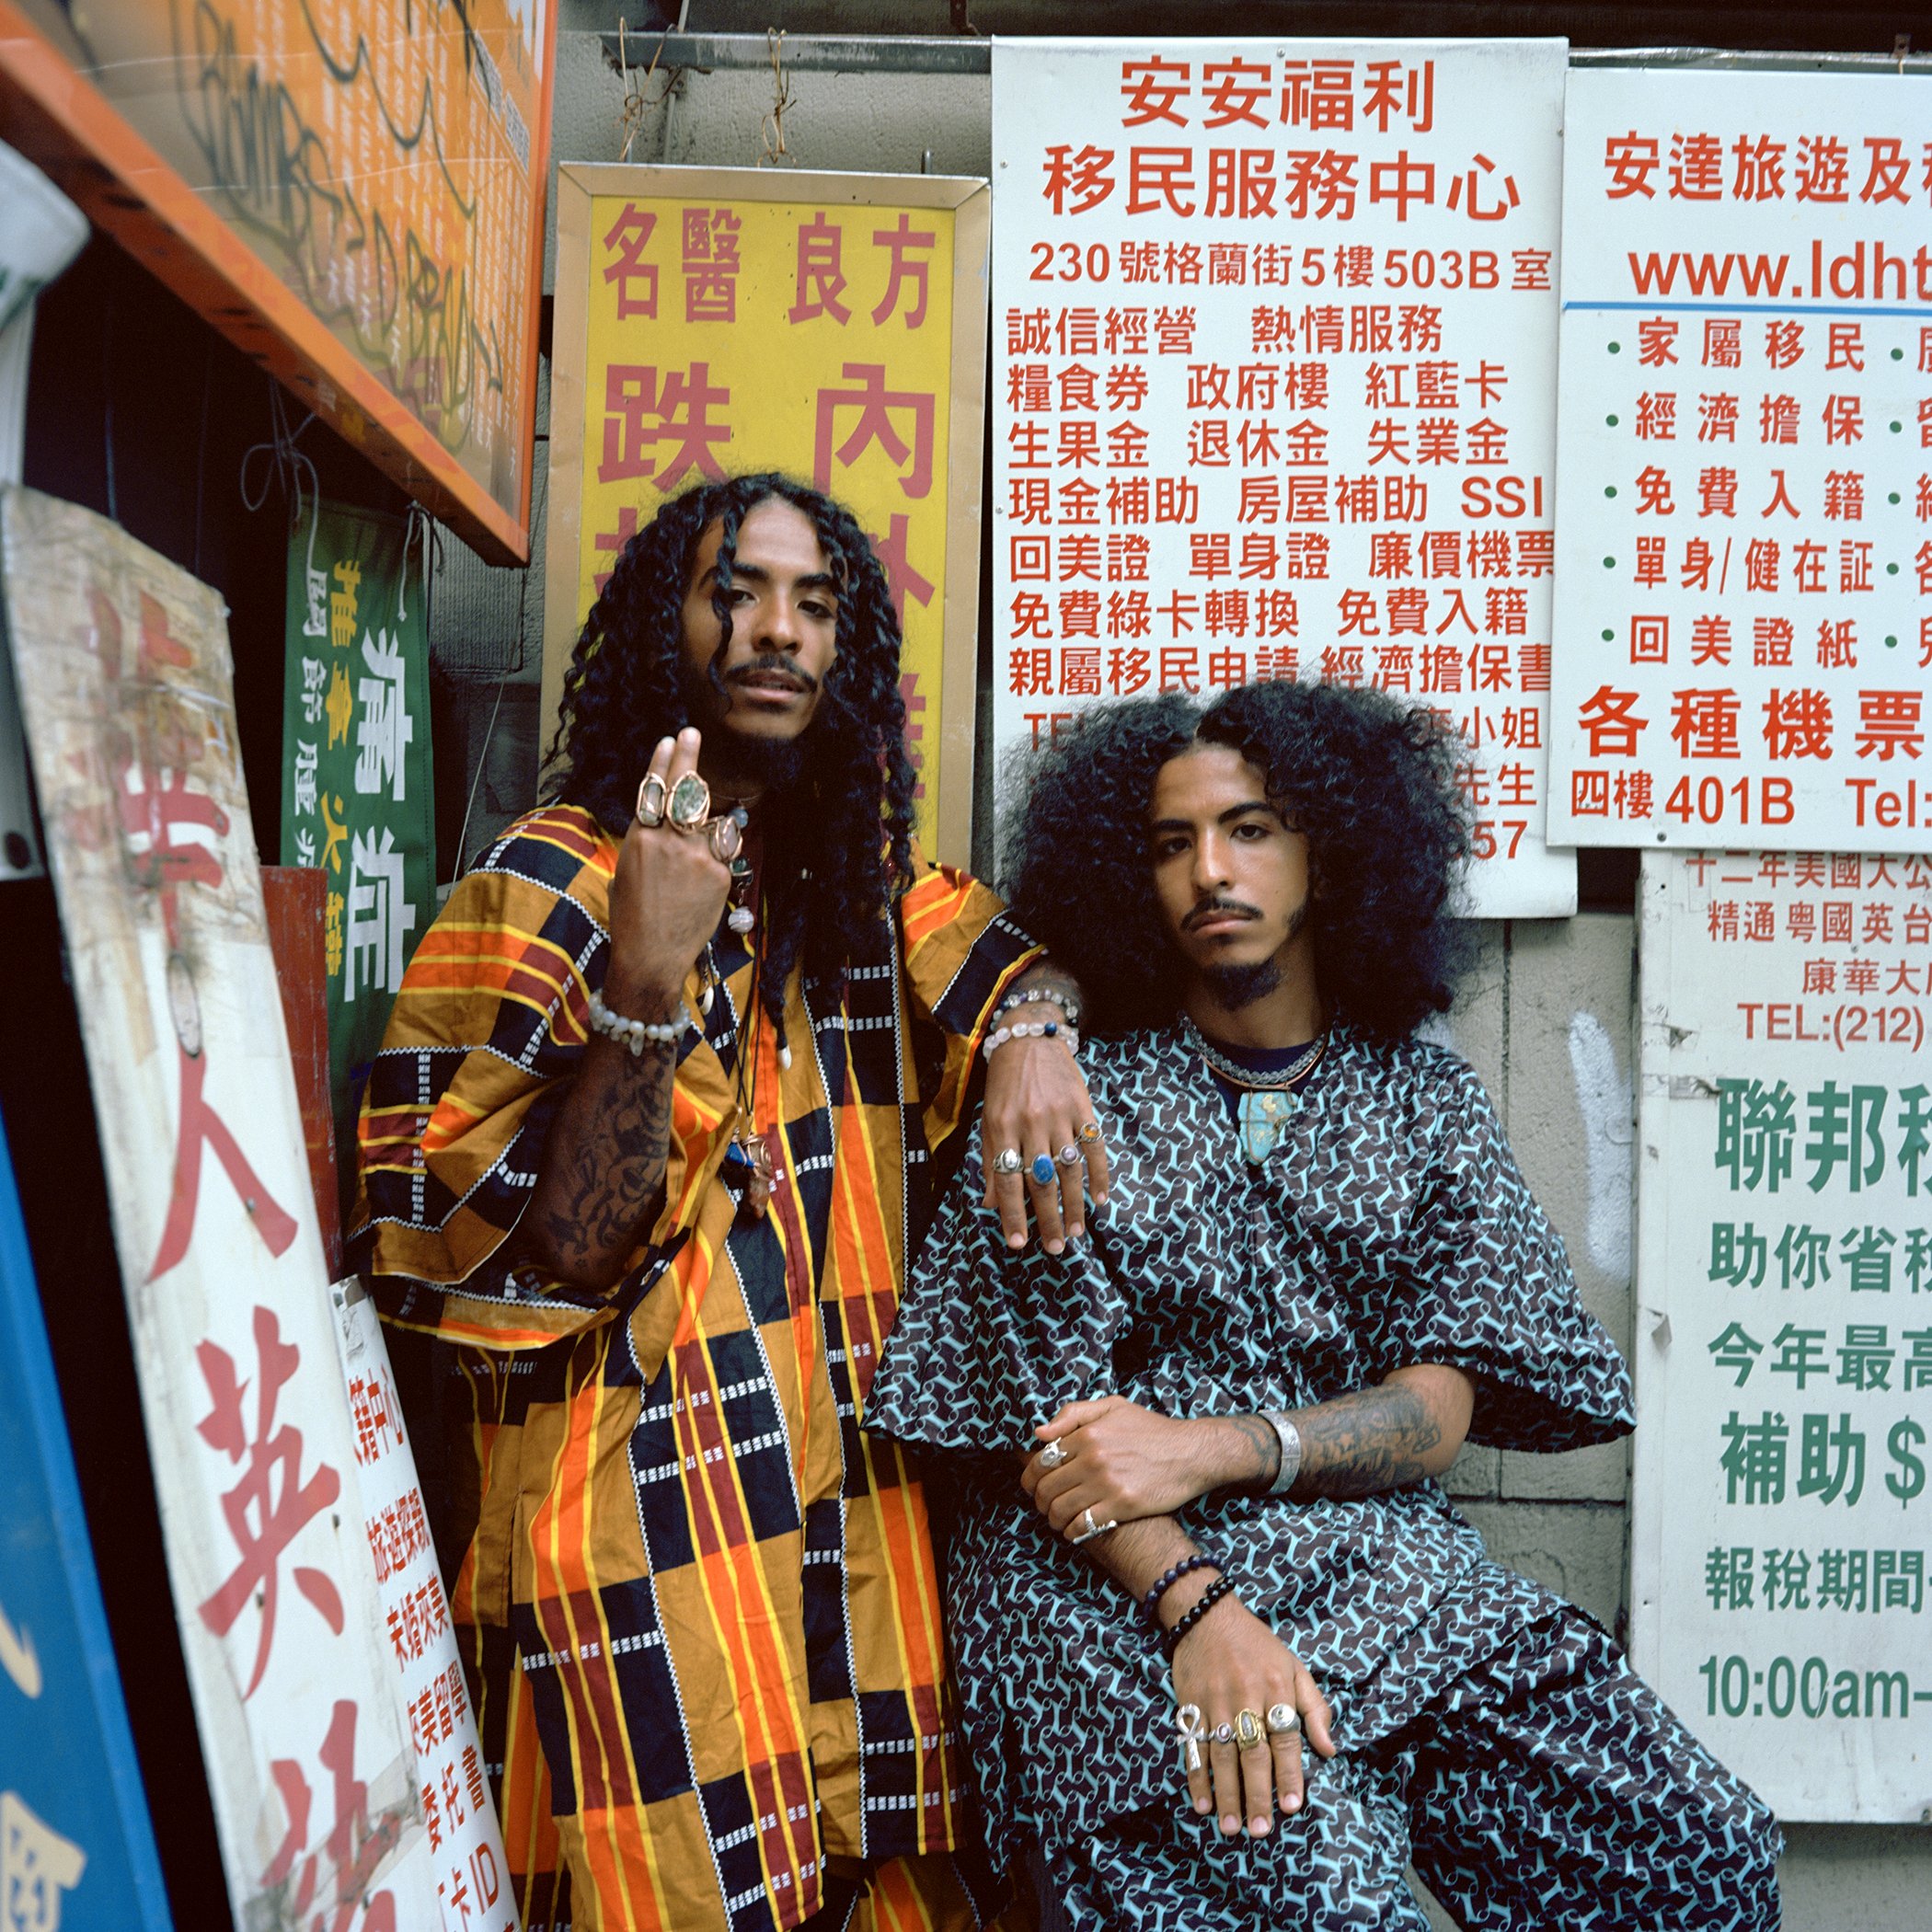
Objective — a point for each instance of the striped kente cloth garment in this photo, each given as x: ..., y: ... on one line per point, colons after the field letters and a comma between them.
x: 699, y: 1606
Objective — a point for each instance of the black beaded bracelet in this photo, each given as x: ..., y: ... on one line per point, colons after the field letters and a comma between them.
x: 1186, y: 1566
x: 1201, y: 1604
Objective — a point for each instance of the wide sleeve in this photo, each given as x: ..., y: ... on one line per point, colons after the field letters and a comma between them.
x: 1486, y: 1287
x: 488, y: 1024
x: 989, y: 1343
x: 961, y: 951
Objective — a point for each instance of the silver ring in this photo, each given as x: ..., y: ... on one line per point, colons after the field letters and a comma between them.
x: 1284, y: 1721
x: 1089, y: 1132
x: 1054, y: 1454
x: 1096, y: 1529
x: 1008, y: 1161
x: 650, y: 807
x: 1223, y: 1734
x: 1068, y: 1156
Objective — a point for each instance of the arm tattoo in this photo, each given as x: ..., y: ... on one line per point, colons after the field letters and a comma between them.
x: 604, y: 1162
x: 1259, y: 1440
x: 1361, y: 1444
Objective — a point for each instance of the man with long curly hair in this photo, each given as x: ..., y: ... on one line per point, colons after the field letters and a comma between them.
x: 1199, y: 1524
x: 652, y: 1127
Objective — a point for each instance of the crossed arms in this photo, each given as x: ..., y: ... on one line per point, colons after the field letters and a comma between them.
x: 1134, y: 1466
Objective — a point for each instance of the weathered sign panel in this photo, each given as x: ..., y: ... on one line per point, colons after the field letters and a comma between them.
x: 1743, y: 632
x: 257, y: 1448
x: 715, y: 321
x: 1274, y: 376
x: 352, y: 194
x: 1780, y: 1521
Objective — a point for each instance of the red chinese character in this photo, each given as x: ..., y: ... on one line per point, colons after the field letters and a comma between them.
x: 682, y: 406
x: 627, y: 236
x: 899, y: 242
x: 819, y: 282
x: 876, y: 406
x: 268, y: 1506
x: 333, y: 1879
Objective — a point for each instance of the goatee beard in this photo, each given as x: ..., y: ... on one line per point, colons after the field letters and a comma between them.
x: 1234, y: 987
x: 761, y: 765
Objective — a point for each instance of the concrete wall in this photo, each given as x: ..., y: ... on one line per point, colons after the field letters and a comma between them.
x: 1548, y: 1016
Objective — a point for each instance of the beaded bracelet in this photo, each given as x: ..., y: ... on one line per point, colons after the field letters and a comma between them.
x: 635, y: 1033
x: 1219, y: 1588
x: 1186, y: 1566
x: 1032, y: 1030
x: 1044, y: 994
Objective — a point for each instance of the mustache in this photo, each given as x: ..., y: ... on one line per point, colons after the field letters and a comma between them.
x: 770, y: 664
x: 1217, y: 909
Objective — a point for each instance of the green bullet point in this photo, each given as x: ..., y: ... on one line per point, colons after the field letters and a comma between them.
x: 1609, y: 563
x: 1892, y: 570
x: 1609, y: 637
x: 1616, y: 348
x: 1896, y: 428
x: 1610, y: 489
x: 1893, y: 498
x: 1892, y: 643
x: 1611, y: 420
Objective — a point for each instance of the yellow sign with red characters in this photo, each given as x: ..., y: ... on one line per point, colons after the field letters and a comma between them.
x: 715, y: 321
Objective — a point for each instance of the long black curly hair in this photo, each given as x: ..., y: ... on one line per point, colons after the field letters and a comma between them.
x: 1368, y: 781
x: 839, y: 853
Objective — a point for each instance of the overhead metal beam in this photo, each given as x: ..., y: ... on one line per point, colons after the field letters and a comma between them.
x: 804, y: 53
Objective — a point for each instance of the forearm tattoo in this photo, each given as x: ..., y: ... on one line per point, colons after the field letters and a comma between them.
x: 604, y: 1163
x: 1260, y: 1450
x: 1359, y: 1445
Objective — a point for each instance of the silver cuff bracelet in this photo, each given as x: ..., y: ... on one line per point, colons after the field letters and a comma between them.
x: 1290, y: 1439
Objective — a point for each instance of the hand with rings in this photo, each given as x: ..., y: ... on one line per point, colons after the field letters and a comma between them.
x: 669, y: 889
x: 1119, y: 1461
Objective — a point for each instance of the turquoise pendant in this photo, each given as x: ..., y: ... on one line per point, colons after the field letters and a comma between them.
x: 1264, y: 1123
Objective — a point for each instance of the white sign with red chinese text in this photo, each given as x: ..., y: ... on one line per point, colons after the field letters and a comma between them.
x: 1746, y: 462
x: 124, y: 677
x: 1274, y: 371
x: 1781, y: 1531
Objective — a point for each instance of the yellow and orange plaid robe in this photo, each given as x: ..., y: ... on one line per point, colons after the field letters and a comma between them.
x: 699, y: 1604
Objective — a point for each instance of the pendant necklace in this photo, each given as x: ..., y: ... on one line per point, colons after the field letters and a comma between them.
x: 753, y: 1147
x: 1268, y: 1100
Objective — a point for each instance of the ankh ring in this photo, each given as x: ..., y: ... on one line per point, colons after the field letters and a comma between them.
x: 1187, y: 1720
x: 1095, y: 1529
x: 1090, y: 1133
x: 1008, y: 1161
x: 1068, y: 1156
x: 1043, y: 1168
x: 1223, y: 1734
x: 651, y: 802
x: 727, y: 839
x: 1054, y: 1454
x: 688, y: 803
x: 1248, y: 1728
x: 1284, y: 1721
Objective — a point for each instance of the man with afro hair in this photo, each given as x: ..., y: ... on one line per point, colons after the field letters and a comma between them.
x: 1227, y: 1656
x: 652, y: 1127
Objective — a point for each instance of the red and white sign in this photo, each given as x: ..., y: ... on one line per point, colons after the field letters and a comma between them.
x: 262, y: 1463
x: 1746, y: 463
x: 1274, y: 373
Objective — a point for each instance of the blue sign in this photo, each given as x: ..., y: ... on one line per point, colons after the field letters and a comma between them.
x: 76, y: 1848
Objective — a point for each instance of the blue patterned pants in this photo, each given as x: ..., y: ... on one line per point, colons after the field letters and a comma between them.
x: 1549, y: 1788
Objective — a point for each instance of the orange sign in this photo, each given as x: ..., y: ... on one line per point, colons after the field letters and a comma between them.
x: 353, y: 194
x: 712, y: 322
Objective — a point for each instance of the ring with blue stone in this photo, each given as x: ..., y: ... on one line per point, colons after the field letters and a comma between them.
x: 1043, y: 1168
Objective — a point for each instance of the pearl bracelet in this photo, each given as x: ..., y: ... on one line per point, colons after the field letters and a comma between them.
x: 1039, y: 995
x: 636, y: 1033
x: 1032, y: 1030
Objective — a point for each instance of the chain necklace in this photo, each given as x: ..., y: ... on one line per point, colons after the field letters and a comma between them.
x: 1268, y: 1100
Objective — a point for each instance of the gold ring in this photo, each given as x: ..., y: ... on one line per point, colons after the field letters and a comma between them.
x: 727, y: 838
x: 650, y: 808
x: 1248, y: 1728
x: 1090, y: 1132
x: 688, y: 804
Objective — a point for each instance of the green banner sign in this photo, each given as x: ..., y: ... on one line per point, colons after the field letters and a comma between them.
x: 357, y: 797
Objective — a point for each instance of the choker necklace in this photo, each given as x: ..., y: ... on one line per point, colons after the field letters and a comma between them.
x: 1268, y: 1100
